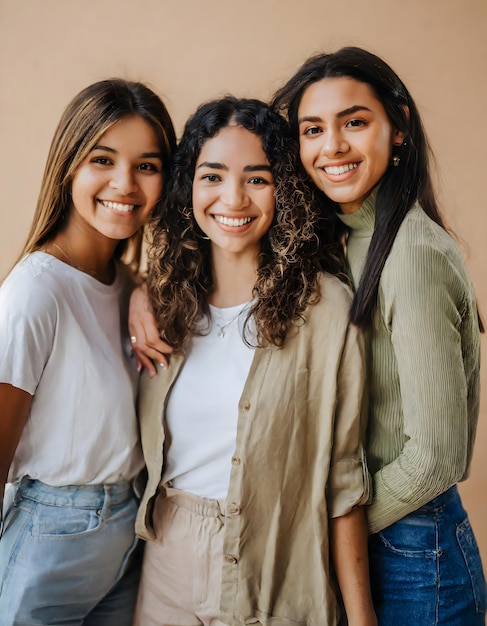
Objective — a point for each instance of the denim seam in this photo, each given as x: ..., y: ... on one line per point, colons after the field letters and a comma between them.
x: 460, y: 534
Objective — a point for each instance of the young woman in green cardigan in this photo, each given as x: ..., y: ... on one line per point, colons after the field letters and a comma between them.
x: 363, y: 145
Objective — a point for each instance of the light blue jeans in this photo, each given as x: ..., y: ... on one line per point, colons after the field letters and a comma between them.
x: 426, y: 570
x: 69, y: 556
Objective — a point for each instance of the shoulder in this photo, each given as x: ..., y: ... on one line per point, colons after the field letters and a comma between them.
x: 30, y: 287
x: 29, y: 313
x: 334, y: 293
x: 332, y: 308
x: 421, y: 232
x: 425, y: 268
x: 424, y: 246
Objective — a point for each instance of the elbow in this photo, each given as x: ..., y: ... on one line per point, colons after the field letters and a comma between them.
x: 439, y: 472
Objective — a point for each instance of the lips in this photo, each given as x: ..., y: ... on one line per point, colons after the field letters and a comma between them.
x: 232, y: 221
x: 120, y: 207
x: 337, y: 170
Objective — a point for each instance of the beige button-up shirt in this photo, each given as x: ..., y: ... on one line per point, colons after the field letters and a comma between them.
x: 298, y: 461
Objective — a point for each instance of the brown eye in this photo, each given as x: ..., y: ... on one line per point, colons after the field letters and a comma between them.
x: 312, y: 130
x: 102, y: 161
x: 355, y: 123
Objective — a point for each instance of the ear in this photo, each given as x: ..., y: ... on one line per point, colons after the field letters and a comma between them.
x: 398, y: 136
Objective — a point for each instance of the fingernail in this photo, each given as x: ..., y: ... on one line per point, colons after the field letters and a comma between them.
x: 163, y: 365
x: 139, y: 367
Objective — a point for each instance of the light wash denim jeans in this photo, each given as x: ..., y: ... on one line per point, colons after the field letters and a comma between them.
x: 426, y: 568
x: 69, y: 556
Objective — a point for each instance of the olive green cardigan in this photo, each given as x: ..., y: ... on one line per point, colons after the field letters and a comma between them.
x: 423, y: 366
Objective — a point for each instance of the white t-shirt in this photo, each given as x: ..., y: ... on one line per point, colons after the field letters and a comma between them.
x: 202, y: 410
x: 64, y: 339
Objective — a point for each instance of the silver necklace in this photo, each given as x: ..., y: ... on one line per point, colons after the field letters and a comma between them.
x: 222, y: 328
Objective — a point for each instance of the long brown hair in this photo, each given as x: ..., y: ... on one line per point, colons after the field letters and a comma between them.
x: 90, y: 114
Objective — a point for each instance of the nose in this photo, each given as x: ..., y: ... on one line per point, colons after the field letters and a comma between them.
x: 234, y: 196
x: 123, y: 180
x: 333, y: 143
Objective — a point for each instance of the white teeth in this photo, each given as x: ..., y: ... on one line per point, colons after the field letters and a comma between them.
x: 232, y: 221
x: 118, y: 206
x: 340, y: 169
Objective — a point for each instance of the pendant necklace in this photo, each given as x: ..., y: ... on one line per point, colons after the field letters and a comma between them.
x: 222, y: 328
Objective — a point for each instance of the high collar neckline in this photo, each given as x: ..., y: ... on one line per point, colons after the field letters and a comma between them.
x: 364, y: 218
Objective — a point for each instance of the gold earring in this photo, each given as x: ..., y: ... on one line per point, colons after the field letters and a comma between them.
x: 396, y: 160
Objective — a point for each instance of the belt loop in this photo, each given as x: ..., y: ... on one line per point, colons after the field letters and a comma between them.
x: 107, y: 500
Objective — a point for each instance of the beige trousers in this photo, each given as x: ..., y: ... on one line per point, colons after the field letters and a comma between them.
x: 181, y: 572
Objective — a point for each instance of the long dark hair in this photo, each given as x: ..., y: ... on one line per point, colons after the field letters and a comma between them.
x: 291, y: 253
x: 400, y: 186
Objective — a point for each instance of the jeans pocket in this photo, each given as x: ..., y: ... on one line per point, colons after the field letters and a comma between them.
x: 412, y: 540
x: 468, y: 546
x: 53, y: 522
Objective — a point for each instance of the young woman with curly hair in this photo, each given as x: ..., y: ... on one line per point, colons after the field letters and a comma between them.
x: 252, y: 434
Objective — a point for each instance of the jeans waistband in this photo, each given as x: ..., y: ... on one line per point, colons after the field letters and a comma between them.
x: 440, y: 501
x: 82, y: 496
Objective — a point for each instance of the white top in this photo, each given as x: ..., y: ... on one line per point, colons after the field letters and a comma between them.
x: 202, y: 410
x: 64, y: 339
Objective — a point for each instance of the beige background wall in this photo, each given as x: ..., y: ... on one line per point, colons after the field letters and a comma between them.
x: 192, y: 50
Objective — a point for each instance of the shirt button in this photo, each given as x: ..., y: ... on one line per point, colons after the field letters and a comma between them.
x: 246, y: 405
x: 230, y: 559
x: 236, y: 460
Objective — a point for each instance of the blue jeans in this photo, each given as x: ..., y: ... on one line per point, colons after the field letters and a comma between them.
x: 69, y: 556
x: 426, y: 570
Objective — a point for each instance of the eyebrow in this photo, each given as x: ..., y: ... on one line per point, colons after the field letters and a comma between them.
x: 145, y: 155
x: 344, y: 113
x: 247, y: 168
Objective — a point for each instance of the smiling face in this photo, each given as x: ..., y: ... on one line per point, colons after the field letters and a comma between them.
x: 345, y: 139
x: 233, y: 191
x: 117, y: 185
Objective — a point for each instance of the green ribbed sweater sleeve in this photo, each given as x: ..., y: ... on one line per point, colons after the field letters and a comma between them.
x: 425, y: 367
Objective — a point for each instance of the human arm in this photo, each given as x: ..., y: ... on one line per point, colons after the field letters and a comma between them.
x: 28, y: 319
x: 348, y: 542
x: 15, y: 405
x: 146, y: 341
x: 426, y: 306
x: 349, y: 485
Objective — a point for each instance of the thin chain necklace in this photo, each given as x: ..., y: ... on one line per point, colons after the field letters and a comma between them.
x: 222, y: 328
x: 77, y: 266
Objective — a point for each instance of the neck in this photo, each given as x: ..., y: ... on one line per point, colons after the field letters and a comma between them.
x: 97, y: 261
x: 233, y: 280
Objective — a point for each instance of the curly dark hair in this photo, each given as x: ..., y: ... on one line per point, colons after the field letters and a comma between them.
x: 296, y: 248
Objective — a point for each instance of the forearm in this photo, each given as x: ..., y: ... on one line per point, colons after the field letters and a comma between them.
x: 398, y: 492
x: 15, y: 405
x: 349, y: 537
x: 146, y: 341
